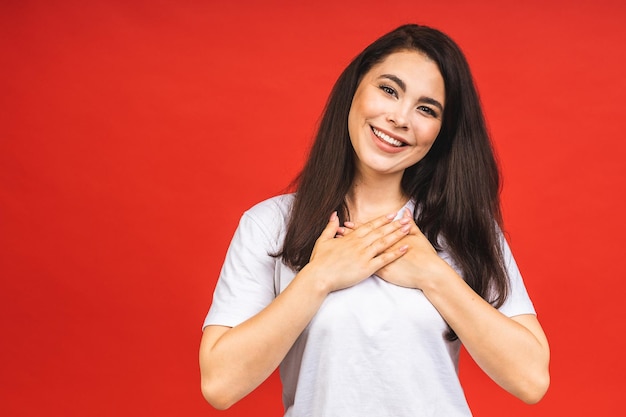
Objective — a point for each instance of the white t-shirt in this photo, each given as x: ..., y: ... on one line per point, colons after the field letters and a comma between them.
x: 372, y: 350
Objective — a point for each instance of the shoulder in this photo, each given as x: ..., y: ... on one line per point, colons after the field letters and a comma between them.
x: 271, y: 215
x: 277, y: 205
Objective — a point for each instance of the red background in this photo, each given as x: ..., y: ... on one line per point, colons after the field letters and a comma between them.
x: 134, y: 134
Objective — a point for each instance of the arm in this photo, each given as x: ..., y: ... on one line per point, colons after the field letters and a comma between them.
x: 513, y: 351
x: 234, y: 361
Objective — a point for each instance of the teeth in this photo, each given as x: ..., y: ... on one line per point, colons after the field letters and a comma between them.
x: 386, y: 138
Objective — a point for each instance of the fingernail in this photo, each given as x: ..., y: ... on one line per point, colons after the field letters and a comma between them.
x: 391, y: 216
x: 333, y: 216
x: 405, y: 229
x: 404, y: 220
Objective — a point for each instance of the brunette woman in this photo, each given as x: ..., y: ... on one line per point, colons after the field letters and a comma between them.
x: 363, y: 284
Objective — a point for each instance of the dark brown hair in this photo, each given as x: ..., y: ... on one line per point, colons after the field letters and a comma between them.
x: 456, y: 185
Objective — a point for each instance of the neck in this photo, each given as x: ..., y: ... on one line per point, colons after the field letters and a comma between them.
x: 367, y: 200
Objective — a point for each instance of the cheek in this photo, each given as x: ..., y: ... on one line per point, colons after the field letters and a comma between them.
x: 427, y: 133
x: 434, y: 134
x: 367, y: 104
x: 358, y: 115
x: 433, y: 130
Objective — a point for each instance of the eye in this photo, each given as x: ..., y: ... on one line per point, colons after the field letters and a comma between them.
x: 388, y: 90
x: 428, y: 110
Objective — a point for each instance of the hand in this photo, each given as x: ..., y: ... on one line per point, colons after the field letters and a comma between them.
x: 346, y: 261
x: 415, y: 268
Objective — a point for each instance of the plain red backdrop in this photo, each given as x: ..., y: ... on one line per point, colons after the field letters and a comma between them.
x: 134, y: 134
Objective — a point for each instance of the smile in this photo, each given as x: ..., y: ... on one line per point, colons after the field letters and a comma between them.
x: 386, y: 138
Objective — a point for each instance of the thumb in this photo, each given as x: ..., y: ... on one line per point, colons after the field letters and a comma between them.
x: 414, y: 229
x: 330, y: 230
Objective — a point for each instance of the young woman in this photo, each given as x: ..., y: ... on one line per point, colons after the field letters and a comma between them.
x: 363, y: 284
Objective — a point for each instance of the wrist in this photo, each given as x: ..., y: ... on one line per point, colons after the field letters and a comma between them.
x: 441, y: 279
x: 317, y: 283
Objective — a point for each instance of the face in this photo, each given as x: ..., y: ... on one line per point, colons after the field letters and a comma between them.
x: 396, y: 114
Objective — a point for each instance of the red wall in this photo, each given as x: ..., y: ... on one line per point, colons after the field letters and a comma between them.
x: 134, y: 134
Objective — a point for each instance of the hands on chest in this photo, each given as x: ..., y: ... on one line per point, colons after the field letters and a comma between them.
x: 395, y: 250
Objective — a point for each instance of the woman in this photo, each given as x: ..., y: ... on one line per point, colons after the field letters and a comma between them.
x: 365, y: 311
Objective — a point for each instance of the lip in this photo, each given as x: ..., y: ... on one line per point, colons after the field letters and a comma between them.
x: 384, y: 146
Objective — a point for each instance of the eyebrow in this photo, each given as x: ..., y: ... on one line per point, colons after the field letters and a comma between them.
x: 402, y: 85
x: 396, y: 80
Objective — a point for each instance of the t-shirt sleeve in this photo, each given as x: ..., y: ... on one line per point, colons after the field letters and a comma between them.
x: 246, y: 282
x: 518, y: 302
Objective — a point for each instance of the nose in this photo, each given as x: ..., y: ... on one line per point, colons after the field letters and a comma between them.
x: 398, y: 117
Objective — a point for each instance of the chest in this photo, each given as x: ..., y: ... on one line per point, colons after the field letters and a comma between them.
x: 377, y: 313
x: 371, y: 310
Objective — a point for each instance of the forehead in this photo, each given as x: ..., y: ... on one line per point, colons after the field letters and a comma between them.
x: 405, y: 60
x: 414, y: 68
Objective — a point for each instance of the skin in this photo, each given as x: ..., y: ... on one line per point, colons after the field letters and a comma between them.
x: 234, y: 361
x: 513, y: 351
x: 399, y: 97
x: 395, y: 97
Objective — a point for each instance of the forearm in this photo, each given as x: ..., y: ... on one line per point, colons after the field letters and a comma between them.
x: 512, y: 351
x: 235, y: 361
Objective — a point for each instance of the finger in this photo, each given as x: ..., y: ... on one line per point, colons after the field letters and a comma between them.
x: 386, y: 229
x: 375, y: 224
x: 414, y: 228
x: 343, y: 231
x: 405, y: 241
x: 331, y: 228
x: 350, y: 225
x: 384, y: 238
x: 388, y: 257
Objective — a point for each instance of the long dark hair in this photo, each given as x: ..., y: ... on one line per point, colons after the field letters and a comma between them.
x: 456, y: 185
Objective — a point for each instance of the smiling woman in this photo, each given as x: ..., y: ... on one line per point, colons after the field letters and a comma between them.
x: 363, y: 284
x: 392, y: 121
